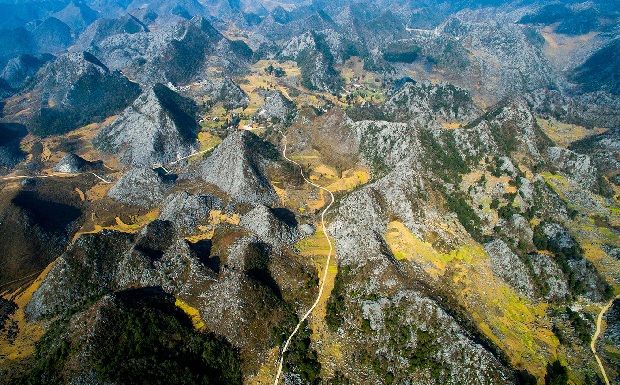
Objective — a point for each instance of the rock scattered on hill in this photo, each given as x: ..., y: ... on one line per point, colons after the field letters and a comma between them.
x: 226, y: 91
x: 443, y: 102
x: 507, y: 265
x: 19, y: 70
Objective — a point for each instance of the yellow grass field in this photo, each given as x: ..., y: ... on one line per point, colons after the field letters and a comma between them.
x: 29, y: 332
x: 516, y: 325
x: 564, y: 134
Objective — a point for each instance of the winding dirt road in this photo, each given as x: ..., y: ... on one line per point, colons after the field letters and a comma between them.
x: 57, y: 174
x: 325, y: 270
x: 597, y: 332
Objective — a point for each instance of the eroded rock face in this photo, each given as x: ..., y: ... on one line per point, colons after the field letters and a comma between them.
x: 602, y: 148
x: 434, y: 336
x: 237, y: 167
x: 160, y: 258
x: 141, y: 187
x: 35, y: 228
x: 559, y: 236
x: 369, y: 270
x: 103, y: 28
x: 582, y: 276
x: 507, y: 128
x: 19, y: 70
x: 143, y: 329
x: 554, y: 284
x: 177, y: 52
x: 508, y: 62
x: 517, y: 231
x: 247, y: 295
x: 313, y: 52
x: 99, y: 263
x: 596, y: 109
x: 225, y: 91
x: 237, y: 287
x: 77, y: 16
x: 158, y: 128
x: 388, y: 302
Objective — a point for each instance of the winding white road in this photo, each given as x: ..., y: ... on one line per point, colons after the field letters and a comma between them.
x: 597, y: 332
x: 324, y: 278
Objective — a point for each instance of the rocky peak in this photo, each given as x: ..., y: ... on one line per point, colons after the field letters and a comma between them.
x: 276, y: 107
x: 52, y: 36
x: 221, y: 90
x: 314, y: 56
x: 508, y: 127
x: 73, y: 90
x: 103, y: 28
x: 202, y: 24
x: 77, y: 16
x: 237, y: 166
x: 158, y: 128
x: 85, y: 270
